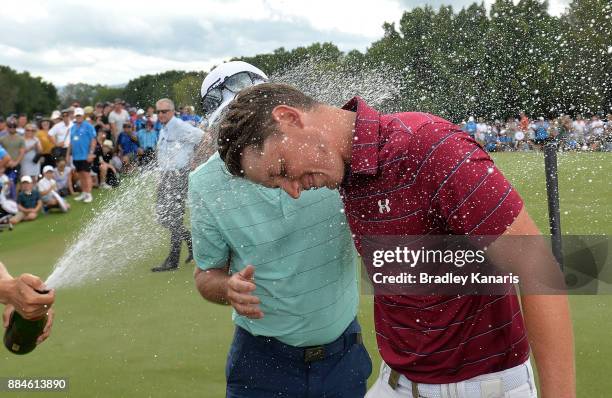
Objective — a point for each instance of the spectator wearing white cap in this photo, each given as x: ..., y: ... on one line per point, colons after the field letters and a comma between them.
x: 49, y: 192
x: 81, y: 149
x: 60, y: 134
x: 140, y: 120
x: 28, y: 202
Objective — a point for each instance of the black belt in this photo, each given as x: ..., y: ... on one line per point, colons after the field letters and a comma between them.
x: 305, y: 354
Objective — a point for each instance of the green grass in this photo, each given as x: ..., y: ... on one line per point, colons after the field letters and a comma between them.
x: 141, y: 334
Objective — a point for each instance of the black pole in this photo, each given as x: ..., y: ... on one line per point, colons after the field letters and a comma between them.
x: 552, y: 191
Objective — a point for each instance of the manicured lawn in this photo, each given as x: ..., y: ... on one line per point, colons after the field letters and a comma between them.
x: 140, y: 334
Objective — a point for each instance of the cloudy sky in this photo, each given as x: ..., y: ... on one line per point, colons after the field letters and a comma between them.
x: 113, y: 41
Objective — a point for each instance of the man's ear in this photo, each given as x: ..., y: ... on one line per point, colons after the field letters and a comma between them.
x: 287, y: 115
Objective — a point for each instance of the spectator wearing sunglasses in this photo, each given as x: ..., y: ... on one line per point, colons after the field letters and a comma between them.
x: 175, y: 149
x: 14, y: 144
x: 30, y: 163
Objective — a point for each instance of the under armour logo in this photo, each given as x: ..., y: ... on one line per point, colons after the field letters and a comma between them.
x: 383, y: 207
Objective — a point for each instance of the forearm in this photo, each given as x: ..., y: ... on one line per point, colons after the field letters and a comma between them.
x: 212, y: 284
x: 551, y: 338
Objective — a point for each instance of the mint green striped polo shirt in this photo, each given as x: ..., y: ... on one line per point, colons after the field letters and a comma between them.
x: 303, y: 253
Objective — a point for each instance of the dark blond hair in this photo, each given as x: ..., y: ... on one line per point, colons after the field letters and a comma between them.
x: 248, y: 121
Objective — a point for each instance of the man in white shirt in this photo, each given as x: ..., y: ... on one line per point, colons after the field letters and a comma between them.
x: 117, y: 118
x: 60, y: 135
x: 175, y: 149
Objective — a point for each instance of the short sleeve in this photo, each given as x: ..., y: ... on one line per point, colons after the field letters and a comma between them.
x: 469, y: 194
x: 193, y: 135
x: 209, y: 247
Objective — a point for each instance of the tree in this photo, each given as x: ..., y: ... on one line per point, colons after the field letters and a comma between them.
x: 187, y: 90
x: 587, y: 66
x: 146, y: 90
x: 22, y: 93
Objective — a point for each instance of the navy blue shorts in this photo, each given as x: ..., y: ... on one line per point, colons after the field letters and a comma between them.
x: 263, y: 367
x: 82, y: 165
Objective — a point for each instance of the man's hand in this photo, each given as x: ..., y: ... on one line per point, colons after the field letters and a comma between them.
x: 239, y: 288
x: 8, y: 311
x: 90, y: 158
x: 29, y: 303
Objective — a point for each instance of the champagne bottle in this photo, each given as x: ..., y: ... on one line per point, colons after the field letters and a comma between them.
x: 21, y: 334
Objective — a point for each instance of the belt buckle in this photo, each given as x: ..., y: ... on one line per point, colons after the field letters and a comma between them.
x: 314, y: 354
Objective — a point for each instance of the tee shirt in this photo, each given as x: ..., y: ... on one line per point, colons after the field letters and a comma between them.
x: 28, y: 200
x: 127, y: 144
x: 61, y: 133
x: 118, y: 119
x: 81, y: 137
x: 61, y: 178
x: 13, y: 144
x: 44, y: 184
x: 45, y: 142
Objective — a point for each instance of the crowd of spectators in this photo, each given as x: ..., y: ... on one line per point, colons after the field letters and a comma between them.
x: 593, y: 133
x: 40, y: 167
x: 38, y: 171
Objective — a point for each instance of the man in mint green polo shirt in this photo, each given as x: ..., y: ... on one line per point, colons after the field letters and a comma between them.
x: 287, y: 267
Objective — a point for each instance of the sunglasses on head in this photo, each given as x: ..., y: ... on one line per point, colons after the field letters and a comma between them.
x: 234, y: 83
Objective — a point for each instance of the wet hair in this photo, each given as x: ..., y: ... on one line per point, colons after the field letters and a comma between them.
x: 247, y: 120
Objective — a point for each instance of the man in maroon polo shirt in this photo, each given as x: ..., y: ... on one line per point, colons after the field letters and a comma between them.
x: 413, y: 174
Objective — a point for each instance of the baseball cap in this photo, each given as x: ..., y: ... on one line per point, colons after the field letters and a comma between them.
x: 79, y: 112
x: 108, y: 143
x: 140, y: 111
x: 55, y: 115
x: 47, y: 168
x: 26, y: 179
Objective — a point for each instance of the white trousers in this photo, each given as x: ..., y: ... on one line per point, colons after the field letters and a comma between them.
x: 516, y: 382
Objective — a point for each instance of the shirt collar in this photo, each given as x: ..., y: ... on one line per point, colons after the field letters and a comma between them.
x: 172, y: 119
x: 364, y: 156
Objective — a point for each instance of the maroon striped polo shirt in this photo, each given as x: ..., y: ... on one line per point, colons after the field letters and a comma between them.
x: 417, y: 174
